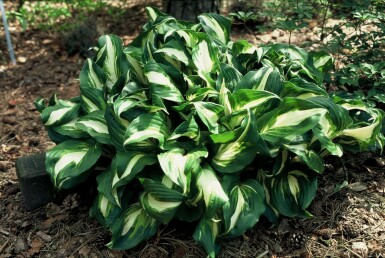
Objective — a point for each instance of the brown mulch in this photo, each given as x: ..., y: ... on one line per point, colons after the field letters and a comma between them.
x: 347, y: 223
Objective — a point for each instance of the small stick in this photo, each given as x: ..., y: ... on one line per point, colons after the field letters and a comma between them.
x: 4, y: 245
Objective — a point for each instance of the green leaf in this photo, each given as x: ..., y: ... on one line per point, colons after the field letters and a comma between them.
x: 133, y: 227
x: 216, y: 26
x: 126, y: 165
x: 60, y: 113
x: 92, y: 76
x: 92, y: 99
x: 266, y: 78
x: 161, y: 84
x: 95, y: 125
x: 145, y: 127
x: 309, y: 157
x: 210, y: 190
x: 236, y: 155
x: 291, y: 192
x: 178, y: 166
x: 206, y: 234
x: 209, y: 113
x: 111, y: 59
x: 68, y: 163
x: 105, y: 211
x: 205, y: 57
x: 245, y: 206
x: 160, y: 201
x: 292, y: 117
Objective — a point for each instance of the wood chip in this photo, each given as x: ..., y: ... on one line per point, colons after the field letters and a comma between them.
x: 357, y: 187
x: 46, y: 238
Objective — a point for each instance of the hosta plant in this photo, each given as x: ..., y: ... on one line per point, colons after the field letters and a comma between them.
x: 192, y: 126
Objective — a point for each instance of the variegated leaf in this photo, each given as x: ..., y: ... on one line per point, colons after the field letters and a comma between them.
x: 209, y: 113
x: 291, y: 192
x: 210, y: 190
x: 133, y: 227
x: 367, y: 123
x: 69, y: 129
x: 256, y: 100
x: 161, y: 84
x: 136, y: 70
x: 95, y: 125
x: 175, y: 50
x: 68, y: 163
x: 205, y: 58
x: 144, y: 128
x: 293, y: 117
x: 302, y: 89
x: 216, y: 26
x: 312, y: 159
x: 92, y: 99
x: 188, y: 128
x: 228, y: 77
x: 125, y: 166
x: 266, y: 78
x: 159, y: 200
x: 59, y: 114
x: 92, y: 76
x: 105, y: 211
x: 237, y: 154
x: 178, y: 166
x: 111, y: 59
x: 206, y: 234
x: 245, y: 206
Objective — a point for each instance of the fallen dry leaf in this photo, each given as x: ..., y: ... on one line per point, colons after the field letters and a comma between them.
x: 48, y: 222
x: 36, y: 246
x: 84, y: 251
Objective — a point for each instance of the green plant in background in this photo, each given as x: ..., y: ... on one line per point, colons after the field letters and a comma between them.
x: 360, y: 47
x: 243, y: 18
x: 192, y: 126
x: 290, y: 25
x: 48, y: 14
x: 364, y: 35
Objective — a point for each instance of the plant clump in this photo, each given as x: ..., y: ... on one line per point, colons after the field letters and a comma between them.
x: 192, y: 126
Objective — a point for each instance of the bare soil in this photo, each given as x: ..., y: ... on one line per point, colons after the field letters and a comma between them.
x: 347, y: 223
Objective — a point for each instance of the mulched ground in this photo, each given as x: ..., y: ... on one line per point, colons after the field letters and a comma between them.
x: 347, y: 223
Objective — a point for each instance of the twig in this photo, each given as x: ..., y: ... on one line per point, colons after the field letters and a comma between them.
x: 82, y: 245
x: 344, y: 169
x: 262, y: 254
x: 324, y: 21
x: 4, y: 232
x: 4, y: 245
x: 350, y: 250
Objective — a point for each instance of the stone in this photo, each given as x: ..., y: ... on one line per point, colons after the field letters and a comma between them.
x: 19, y: 245
x: 34, y: 182
x: 360, y: 248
